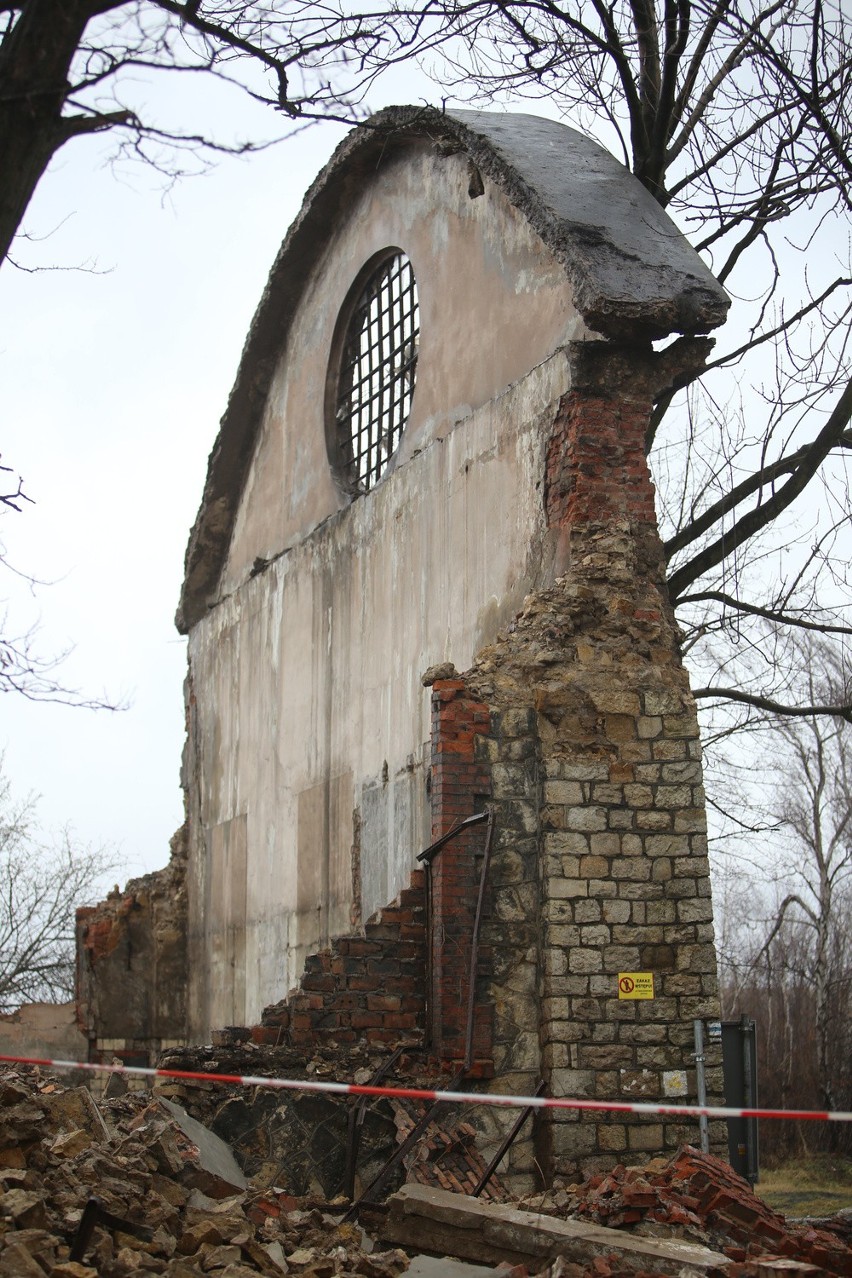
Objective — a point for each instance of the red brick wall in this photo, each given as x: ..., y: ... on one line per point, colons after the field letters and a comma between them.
x: 373, y: 988
x: 596, y: 467
x: 367, y: 987
x: 460, y: 784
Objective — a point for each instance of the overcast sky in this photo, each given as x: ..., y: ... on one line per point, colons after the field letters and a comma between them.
x: 111, y: 388
x: 112, y: 383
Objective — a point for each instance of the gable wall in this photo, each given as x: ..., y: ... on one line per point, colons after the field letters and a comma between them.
x: 308, y: 719
x: 493, y: 304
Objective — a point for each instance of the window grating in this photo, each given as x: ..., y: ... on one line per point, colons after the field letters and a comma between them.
x: 377, y: 372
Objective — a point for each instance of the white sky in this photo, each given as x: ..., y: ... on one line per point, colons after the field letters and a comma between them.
x: 111, y: 389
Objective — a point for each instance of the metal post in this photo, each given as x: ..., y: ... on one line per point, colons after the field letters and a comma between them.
x: 747, y: 1029
x: 701, y: 1084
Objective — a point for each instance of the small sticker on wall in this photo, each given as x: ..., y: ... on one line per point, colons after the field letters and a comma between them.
x: 674, y: 1082
x: 635, y: 984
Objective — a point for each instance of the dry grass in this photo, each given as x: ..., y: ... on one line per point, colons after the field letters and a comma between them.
x: 817, y: 1186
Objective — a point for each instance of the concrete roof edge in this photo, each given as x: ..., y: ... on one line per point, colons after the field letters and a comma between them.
x: 670, y: 289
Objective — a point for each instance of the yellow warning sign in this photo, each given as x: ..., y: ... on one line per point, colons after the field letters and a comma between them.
x: 635, y: 984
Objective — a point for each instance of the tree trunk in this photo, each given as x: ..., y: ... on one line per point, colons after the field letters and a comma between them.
x: 35, y: 61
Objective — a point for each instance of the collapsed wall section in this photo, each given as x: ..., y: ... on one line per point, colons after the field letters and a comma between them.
x: 131, y: 966
x: 600, y: 884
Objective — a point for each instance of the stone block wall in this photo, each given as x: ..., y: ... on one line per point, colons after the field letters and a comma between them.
x: 591, y: 746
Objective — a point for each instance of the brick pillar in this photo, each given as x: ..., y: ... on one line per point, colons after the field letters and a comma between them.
x: 460, y: 784
x: 596, y: 467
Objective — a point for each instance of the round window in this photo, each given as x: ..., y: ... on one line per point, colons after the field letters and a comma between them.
x: 371, y: 379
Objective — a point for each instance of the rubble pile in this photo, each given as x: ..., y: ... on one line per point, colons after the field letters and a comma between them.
x: 698, y: 1196
x: 135, y: 1186
x: 162, y: 1205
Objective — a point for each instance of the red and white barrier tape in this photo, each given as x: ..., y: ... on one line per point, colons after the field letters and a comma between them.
x: 454, y: 1098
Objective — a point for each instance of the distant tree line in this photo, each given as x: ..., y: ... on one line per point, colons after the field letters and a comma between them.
x: 785, y: 937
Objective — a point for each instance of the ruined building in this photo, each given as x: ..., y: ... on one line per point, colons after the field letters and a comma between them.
x: 425, y: 583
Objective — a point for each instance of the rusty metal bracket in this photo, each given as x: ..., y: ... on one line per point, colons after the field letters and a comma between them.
x: 356, y: 1119
x: 505, y: 1144
x: 94, y: 1214
x: 378, y: 1182
x: 474, y: 947
x: 427, y: 856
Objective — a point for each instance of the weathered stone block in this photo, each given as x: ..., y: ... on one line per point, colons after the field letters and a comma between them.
x: 586, y: 818
x: 642, y: 891
x: 649, y: 726
x: 697, y: 910
x: 674, y: 796
x: 561, y: 935
x: 585, y: 961
x: 621, y: 958
x: 604, y: 1056
x: 661, y: 911
x: 516, y: 903
x: 567, y: 793
x: 692, y: 867
x: 627, y: 868
x: 594, y: 934
x: 612, y: 1136
x: 680, y: 725
x: 602, y: 889
x: 638, y: 796
x: 645, y: 1137
x: 645, y: 1033
x: 614, y: 701
x: 584, y: 771
x: 603, y: 845
x: 594, y: 867
x: 615, y: 911
x: 653, y: 820
x: 619, y: 818
x: 649, y: 773
x: 587, y: 911
x: 691, y: 821
x: 685, y: 771
x: 681, y: 983
x: 620, y: 727
x: 663, y: 701
x: 665, y: 749
x: 571, y: 1140
x: 561, y: 842
x: 565, y: 889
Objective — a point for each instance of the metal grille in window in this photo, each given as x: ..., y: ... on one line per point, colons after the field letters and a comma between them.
x: 377, y: 372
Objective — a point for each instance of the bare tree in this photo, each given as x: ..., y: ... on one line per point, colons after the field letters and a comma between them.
x: 786, y: 943
x: 24, y: 669
x: 737, y: 117
x: 41, y: 884
x: 71, y: 68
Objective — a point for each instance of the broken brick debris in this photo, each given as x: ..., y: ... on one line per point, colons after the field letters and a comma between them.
x: 446, y: 1155
x: 143, y: 1164
x: 700, y: 1197
x: 169, y: 1179
x: 433, y: 1220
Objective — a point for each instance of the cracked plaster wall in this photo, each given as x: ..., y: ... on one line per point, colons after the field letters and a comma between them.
x: 309, y: 725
